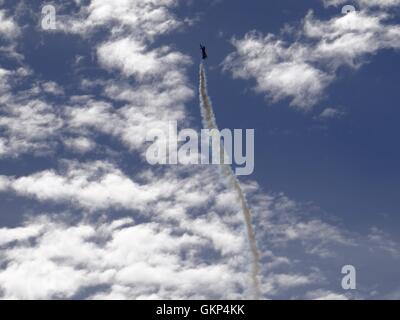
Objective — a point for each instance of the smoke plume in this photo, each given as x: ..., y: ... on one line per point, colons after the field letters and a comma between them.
x: 210, y: 123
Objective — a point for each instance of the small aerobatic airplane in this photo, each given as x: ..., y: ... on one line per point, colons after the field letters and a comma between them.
x: 203, y: 52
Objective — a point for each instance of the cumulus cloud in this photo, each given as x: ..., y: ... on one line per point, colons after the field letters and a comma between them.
x: 8, y: 235
x: 326, y: 295
x: 365, y: 3
x: 102, y: 185
x: 302, y: 68
x: 383, y: 241
x: 93, y: 186
x: 132, y: 58
x: 280, y: 70
x: 145, y: 19
x: 40, y: 117
x: 181, y: 235
x: 178, y: 253
x: 282, y: 220
x: 127, y: 260
x: 130, y: 123
x: 10, y: 34
x: 161, y: 85
x: 29, y: 122
x: 53, y: 88
x: 27, y: 128
x: 80, y: 144
x: 8, y: 27
x: 330, y: 113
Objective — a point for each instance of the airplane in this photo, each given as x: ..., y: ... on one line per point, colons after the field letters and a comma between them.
x: 203, y: 52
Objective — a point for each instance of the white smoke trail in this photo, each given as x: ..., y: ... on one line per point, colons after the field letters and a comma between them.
x: 210, y: 123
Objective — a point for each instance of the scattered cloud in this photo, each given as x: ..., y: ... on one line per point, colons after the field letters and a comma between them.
x: 330, y: 113
x: 302, y: 68
x: 8, y: 27
x: 92, y: 186
x: 326, y: 295
x: 176, y: 253
x: 28, y: 128
x: 365, y: 3
x: 122, y: 230
x: 144, y: 19
x: 383, y: 241
x: 133, y: 58
x: 80, y: 144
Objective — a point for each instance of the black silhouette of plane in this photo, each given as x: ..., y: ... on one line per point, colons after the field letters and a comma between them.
x: 203, y: 52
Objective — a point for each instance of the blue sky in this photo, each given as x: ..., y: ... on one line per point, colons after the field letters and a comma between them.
x: 83, y: 215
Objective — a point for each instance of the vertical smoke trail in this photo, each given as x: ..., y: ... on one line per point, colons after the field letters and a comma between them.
x: 210, y: 123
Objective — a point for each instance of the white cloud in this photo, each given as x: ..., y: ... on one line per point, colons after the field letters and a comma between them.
x: 52, y: 87
x: 4, y: 181
x: 101, y: 185
x: 365, y: 3
x: 166, y: 257
x: 29, y: 126
x: 8, y: 27
x: 133, y: 58
x: 184, y: 235
x: 141, y: 18
x: 18, y: 234
x: 38, y: 272
x: 33, y: 125
x: 349, y: 39
x: 301, y: 70
x: 93, y: 186
x: 382, y: 240
x: 284, y: 225
x: 330, y: 113
x: 177, y: 254
x: 292, y: 280
x: 326, y: 295
x: 9, y: 32
x: 4, y: 85
x: 147, y: 107
x: 130, y: 261
x: 160, y: 92
x: 29, y: 122
x: 80, y: 144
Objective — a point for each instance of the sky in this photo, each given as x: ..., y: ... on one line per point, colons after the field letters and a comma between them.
x: 83, y: 215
